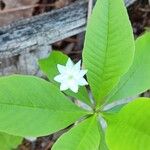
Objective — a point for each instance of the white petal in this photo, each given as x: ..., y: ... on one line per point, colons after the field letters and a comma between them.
x: 31, y: 139
x: 77, y: 66
x: 61, y: 68
x: 64, y: 86
x: 82, y: 72
x: 82, y: 82
x: 74, y: 87
x: 69, y: 63
x: 58, y: 78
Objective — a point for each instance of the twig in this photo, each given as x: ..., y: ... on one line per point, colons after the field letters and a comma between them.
x: 144, y: 10
x: 90, y: 7
x: 25, y: 7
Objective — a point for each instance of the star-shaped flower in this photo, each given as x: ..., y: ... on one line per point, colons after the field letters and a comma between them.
x: 71, y: 76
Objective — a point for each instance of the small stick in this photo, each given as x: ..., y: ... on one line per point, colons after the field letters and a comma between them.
x: 25, y: 7
x: 90, y: 7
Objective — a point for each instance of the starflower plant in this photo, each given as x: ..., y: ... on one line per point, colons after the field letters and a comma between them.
x: 117, y: 67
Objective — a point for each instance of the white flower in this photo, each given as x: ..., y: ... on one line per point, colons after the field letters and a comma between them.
x: 71, y: 76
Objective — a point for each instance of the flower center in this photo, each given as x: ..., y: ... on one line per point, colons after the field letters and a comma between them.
x: 70, y: 77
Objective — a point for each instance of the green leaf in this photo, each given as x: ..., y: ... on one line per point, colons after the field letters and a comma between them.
x: 84, y: 136
x: 136, y: 80
x: 32, y: 107
x: 109, y: 47
x: 129, y: 129
x: 9, y: 142
x: 49, y: 67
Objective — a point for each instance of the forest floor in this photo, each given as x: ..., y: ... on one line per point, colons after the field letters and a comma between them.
x: 139, y: 14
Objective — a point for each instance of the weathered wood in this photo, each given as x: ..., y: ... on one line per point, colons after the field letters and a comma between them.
x: 26, y: 63
x: 129, y: 2
x: 47, y: 28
